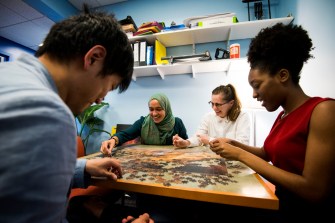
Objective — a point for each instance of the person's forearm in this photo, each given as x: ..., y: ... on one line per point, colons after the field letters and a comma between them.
x: 80, y: 178
x: 187, y: 142
x: 193, y: 141
x: 184, y: 143
x: 251, y: 149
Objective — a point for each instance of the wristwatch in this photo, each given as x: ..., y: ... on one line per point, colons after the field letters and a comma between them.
x: 116, y: 140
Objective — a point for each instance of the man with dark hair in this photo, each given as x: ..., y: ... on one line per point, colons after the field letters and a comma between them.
x: 81, y: 60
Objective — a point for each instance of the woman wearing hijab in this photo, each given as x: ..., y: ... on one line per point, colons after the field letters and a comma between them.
x: 157, y: 128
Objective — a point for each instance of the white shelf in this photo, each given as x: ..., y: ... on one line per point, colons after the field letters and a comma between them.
x: 234, y: 31
x: 183, y: 68
x: 241, y: 30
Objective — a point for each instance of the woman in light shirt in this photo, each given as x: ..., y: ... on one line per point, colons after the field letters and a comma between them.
x: 225, y: 121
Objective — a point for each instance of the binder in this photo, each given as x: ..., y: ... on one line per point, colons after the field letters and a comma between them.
x: 143, y: 53
x: 136, y: 54
x: 160, y: 51
x: 150, y: 55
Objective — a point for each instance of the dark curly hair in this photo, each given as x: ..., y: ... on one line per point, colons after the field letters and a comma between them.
x: 280, y: 47
x: 72, y: 38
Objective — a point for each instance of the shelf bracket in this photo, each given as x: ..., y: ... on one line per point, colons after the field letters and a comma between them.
x: 193, y: 71
x: 228, y: 39
x: 193, y: 48
x: 228, y: 67
x: 161, y: 73
x: 193, y: 44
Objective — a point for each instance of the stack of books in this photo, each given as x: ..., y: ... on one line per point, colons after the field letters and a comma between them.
x: 128, y: 26
x: 149, y: 28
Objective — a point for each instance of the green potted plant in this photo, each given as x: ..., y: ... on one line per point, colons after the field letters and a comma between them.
x: 90, y: 122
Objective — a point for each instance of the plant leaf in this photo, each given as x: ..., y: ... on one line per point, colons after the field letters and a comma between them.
x: 89, y: 112
x: 87, y: 117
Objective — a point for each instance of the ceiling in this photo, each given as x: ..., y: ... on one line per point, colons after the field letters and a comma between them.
x: 27, y: 22
x: 93, y: 3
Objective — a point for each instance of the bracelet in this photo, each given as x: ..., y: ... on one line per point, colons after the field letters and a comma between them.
x: 116, y: 140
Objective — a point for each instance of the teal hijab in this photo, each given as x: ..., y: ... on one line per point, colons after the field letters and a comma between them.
x: 156, y: 134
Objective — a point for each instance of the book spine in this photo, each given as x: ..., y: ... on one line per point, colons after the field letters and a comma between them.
x: 136, y: 51
x: 150, y: 55
x: 143, y: 53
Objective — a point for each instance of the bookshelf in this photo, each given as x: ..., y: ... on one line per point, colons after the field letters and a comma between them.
x: 234, y: 31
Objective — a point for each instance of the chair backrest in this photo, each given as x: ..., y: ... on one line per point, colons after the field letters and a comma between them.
x: 80, y: 147
x: 120, y: 127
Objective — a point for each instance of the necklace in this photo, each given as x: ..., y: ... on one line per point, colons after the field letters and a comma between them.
x: 283, y: 115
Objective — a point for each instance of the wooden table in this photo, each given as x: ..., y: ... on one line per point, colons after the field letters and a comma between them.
x: 194, y: 173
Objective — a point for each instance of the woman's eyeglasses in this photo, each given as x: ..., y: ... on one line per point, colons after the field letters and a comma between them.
x: 216, y: 104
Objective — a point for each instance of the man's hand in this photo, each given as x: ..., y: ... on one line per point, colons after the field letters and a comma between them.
x: 104, y: 167
x: 144, y: 218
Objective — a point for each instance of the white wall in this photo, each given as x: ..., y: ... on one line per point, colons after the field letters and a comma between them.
x: 189, y: 96
x: 318, y: 18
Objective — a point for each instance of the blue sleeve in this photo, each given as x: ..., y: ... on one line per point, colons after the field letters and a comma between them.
x: 80, y: 179
x: 130, y: 133
x: 38, y: 147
